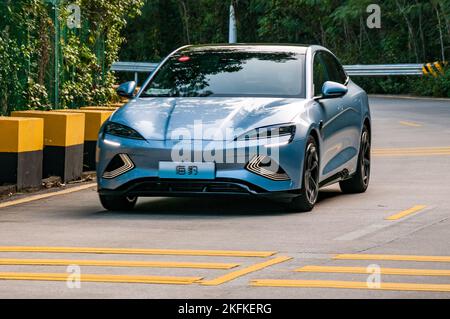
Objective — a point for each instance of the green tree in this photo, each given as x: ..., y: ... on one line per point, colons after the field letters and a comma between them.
x: 413, y: 31
x: 29, y: 54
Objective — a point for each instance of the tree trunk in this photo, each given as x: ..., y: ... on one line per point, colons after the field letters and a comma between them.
x: 441, y: 37
x: 410, y: 30
x: 422, y: 37
x: 446, y: 17
x: 185, y: 18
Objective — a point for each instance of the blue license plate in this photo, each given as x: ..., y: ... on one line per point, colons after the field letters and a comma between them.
x: 185, y: 170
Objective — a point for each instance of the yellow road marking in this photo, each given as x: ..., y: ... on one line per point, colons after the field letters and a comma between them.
x: 349, y: 285
x: 413, y: 154
x: 444, y: 259
x: 420, y: 151
x: 407, y: 212
x: 47, y: 195
x: 116, y: 263
x: 384, y: 271
x: 133, y: 251
x: 412, y: 124
x: 100, y: 278
x: 241, y: 272
x: 412, y: 150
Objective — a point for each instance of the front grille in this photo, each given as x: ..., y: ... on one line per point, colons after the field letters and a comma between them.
x: 188, y: 187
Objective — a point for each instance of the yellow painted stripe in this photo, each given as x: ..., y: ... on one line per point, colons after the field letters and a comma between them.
x: 407, y: 212
x: 438, y: 66
x: 419, y: 151
x: 349, y: 285
x: 383, y: 271
x: 116, y: 263
x: 135, y: 251
x: 242, y: 272
x: 18, y: 134
x: 412, y: 124
x: 412, y: 154
x: 47, y: 195
x: 412, y: 150
x: 60, y: 129
x: 424, y: 70
x: 94, y: 119
x: 393, y: 257
x: 100, y: 278
x: 432, y: 71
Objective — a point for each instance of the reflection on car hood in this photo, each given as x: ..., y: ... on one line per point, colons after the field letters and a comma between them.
x: 204, y: 118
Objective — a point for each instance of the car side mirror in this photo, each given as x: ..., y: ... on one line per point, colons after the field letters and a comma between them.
x: 127, y: 89
x: 333, y: 89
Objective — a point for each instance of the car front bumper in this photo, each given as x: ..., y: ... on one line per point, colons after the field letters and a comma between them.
x: 231, y: 176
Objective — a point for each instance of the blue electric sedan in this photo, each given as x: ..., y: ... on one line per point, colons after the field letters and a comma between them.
x: 277, y: 121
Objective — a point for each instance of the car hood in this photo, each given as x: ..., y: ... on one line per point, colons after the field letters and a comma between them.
x: 211, y: 118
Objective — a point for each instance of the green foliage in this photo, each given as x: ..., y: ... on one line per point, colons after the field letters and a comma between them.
x: 29, y: 54
x: 413, y: 31
x: 434, y: 86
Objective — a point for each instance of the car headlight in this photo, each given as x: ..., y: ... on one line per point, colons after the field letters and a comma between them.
x: 122, y: 131
x: 269, y: 132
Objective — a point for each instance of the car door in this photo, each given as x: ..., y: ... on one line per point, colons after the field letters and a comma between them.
x: 331, y: 122
x: 346, y: 125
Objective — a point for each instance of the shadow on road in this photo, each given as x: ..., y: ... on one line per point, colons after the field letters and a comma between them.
x: 214, y: 206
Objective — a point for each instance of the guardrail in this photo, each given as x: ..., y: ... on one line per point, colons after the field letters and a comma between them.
x: 353, y: 70
x: 135, y: 67
x: 384, y: 69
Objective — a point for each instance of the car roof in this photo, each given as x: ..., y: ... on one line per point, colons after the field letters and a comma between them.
x: 294, y: 48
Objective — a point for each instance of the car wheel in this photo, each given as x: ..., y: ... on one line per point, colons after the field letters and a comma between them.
x: 116, y: 203
x: 359, y: 182
x: 307, y: 199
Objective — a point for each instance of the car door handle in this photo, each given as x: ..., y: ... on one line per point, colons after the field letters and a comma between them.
x: 340, y: 108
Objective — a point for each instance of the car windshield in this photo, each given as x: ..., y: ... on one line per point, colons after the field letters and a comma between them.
x: 229, y: 72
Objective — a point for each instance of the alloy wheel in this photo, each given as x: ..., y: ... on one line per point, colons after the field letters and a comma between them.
x: 312, y: 174
x: 365, y: 157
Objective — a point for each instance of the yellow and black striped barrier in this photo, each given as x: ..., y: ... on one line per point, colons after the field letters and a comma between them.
x: 63, y: 142
x: 21, y: 152
x: 94, y: 119
x: 435, y: 69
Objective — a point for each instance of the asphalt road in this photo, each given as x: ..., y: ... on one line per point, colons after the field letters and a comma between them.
x: 411, y: 169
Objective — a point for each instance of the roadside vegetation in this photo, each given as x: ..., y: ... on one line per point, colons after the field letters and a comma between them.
x: 412, y: 31
x: 45, y: 64
x: 33, y: 42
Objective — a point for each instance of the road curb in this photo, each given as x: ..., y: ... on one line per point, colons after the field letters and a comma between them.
x: 26, y: 198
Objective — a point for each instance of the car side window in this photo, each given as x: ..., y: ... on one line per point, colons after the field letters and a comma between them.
x: 335, y: 70
x: 320, y: 75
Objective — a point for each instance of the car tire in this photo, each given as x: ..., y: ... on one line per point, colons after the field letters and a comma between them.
x: 359, y: 182
x: 307, y: 199
x: 118, y: 203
